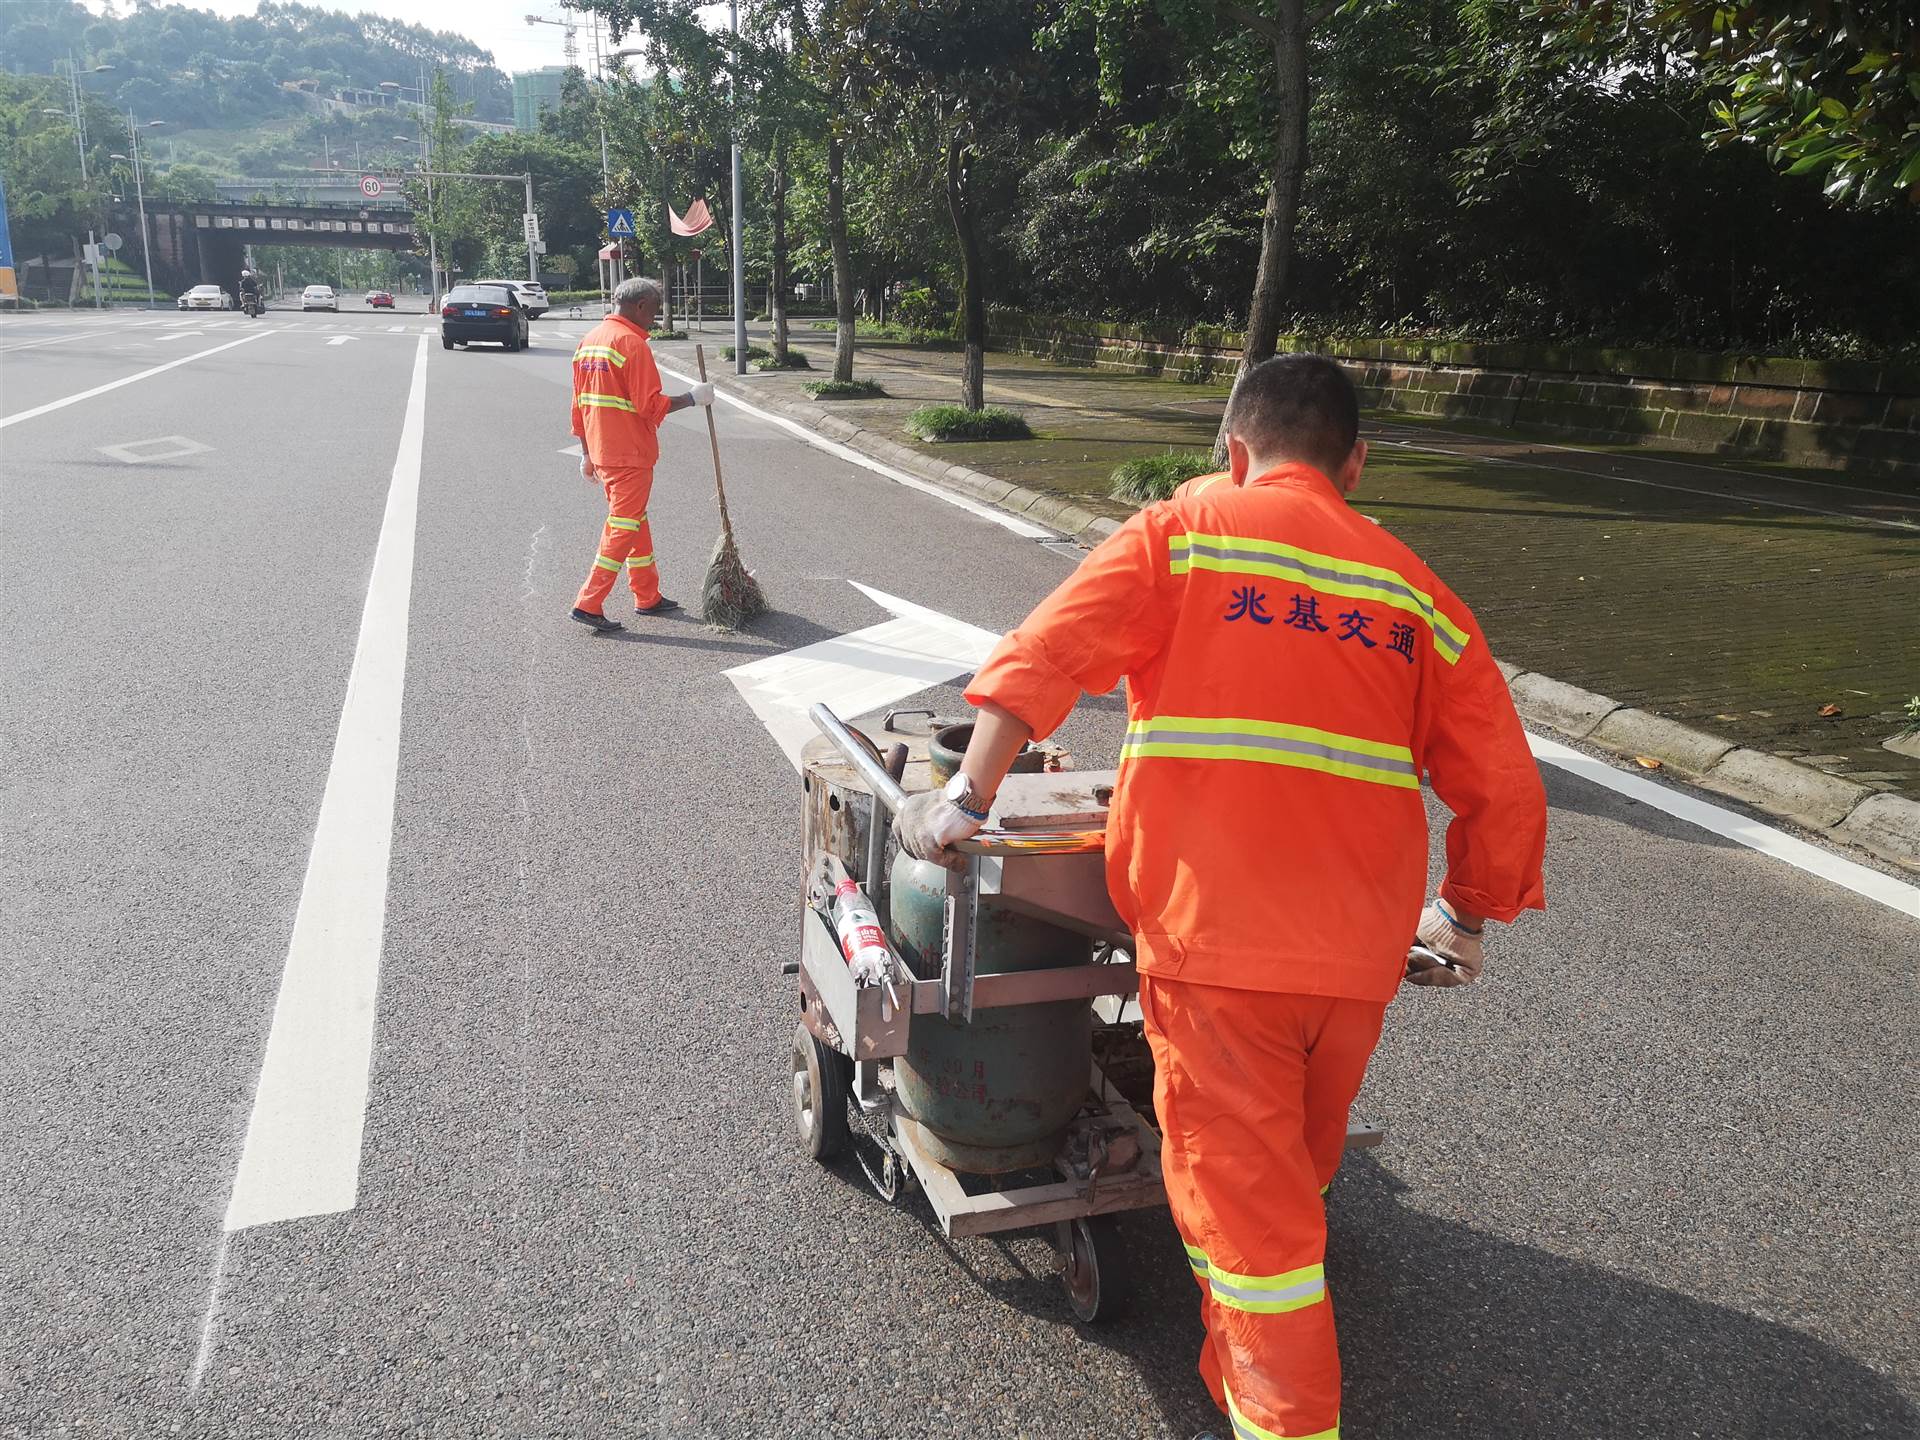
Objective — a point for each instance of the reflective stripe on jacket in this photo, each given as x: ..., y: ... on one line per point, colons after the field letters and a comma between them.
x: 617, y: 401
x: 1293, y: 671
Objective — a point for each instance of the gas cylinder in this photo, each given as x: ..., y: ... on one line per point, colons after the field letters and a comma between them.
x: 995, y: 1094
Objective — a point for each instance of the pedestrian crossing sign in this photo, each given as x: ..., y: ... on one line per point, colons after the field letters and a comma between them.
x: 620, y: 224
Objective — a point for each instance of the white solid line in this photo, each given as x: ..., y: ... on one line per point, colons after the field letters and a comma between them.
x: 1895, y: 894
x: 1025, y: 529
x: 302, y: 1151
x: 91, y: 334
x: 53, y: 405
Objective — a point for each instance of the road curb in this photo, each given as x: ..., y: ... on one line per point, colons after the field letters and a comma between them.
x: 1076, y: 522
x: 1887, y: 826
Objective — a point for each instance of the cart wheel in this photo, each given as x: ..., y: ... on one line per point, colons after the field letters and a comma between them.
x: 819, y: 1095
x: 1096, y: 1272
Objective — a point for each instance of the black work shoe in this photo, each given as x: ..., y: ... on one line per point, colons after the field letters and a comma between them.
x: 662, y: 606
x: 599, y: 622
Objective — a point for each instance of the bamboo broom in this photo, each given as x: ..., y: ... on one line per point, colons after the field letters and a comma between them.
x: 729, y: 596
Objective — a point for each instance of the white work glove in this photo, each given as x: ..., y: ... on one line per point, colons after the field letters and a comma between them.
x: 702, y: 394
x: 928, y: 823
x: 587, y: 472
x: 1441, y: 932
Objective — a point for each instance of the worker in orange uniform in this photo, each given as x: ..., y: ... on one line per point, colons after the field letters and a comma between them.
x: 1293, y: 671
x: 617, y: 409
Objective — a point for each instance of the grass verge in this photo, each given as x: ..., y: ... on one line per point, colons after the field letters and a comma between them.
x: 795, y: 361
x: 843, y: 390
x: 956, y: 422
x: 1147, y: 478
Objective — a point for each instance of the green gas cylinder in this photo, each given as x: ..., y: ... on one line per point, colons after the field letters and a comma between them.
x: 995, y: 1094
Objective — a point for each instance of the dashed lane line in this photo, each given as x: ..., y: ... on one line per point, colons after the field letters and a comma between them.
x: 302, y: 1150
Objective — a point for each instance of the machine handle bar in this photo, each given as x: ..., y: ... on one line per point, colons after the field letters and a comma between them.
x: 987, y: 842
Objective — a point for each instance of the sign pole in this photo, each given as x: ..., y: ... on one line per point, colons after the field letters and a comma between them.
x: 737, y: 258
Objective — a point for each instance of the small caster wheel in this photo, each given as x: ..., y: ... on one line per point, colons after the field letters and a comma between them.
x: 1096, y: 1271
x: 820, y: 1076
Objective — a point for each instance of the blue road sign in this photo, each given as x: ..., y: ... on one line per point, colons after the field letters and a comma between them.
x: 620, y: 224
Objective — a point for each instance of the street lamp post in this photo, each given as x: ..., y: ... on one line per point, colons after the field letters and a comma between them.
x: 738, y: 257
x: 78, y: 110
x: 140, y: 196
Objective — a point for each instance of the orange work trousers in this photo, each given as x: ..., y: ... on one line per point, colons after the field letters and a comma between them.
x: 1253, y: 1090
x: 627, y: 540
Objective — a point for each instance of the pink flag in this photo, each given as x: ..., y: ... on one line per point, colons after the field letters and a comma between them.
x: 697, y: 219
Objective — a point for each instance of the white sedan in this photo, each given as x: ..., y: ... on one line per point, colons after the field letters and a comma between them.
x: 206, y: 297
x: 319, y: 297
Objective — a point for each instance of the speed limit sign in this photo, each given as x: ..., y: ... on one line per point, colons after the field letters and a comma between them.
x: 370, y: 185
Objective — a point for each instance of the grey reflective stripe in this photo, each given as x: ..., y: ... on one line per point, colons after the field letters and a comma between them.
x: 1219, y: 740
x: 1302, y: 1291
x: 1195, y: 546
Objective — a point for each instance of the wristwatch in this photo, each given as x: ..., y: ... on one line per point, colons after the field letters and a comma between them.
x: 966, y: 799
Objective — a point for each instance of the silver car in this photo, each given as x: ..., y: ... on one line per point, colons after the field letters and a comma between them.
x: 206, y: 297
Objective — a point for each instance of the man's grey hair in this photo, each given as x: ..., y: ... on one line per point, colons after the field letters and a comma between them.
x: 637, y: 291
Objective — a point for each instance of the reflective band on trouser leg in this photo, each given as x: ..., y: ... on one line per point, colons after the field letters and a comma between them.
x: 605, y: 562
x: 1247, y: 1430
x: 1328, y: 574
x: 621, y: 522
x: 627, y: 494
x: 1270, y: 742
x: 1245, y: 1083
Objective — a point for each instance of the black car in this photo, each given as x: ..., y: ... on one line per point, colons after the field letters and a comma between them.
x: 482, y: 312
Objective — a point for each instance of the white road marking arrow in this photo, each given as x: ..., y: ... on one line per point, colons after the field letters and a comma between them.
x: 860, y: 672
x: 341, y: 339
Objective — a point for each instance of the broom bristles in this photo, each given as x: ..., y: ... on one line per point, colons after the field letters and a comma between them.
x: 729, y: 596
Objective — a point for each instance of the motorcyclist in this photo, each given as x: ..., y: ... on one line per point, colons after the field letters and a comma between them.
x: 250, y: 289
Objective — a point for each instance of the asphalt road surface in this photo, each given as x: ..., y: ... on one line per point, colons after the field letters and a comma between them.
x: 1653, y: 1177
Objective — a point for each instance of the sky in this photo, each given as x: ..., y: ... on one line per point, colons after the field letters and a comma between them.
x: 496, y: 25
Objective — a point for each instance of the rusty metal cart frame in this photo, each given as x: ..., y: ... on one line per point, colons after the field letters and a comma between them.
x: 1110, y: 1161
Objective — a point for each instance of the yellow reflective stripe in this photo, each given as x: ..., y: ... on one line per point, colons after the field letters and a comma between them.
x: 639, y: 562
x: 1326, y: 1187
x: 1197, y: 1258
x: 1245, y: 1429
x: 595, y: 400
x: 620, y: 522
x: 601, y: 352
x: 1269, y: 1294
x: 603, y: 563
x: 1328, y: 574
x: 1270, y: 742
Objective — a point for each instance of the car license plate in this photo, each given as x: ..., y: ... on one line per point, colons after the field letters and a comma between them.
x: 476, y: 314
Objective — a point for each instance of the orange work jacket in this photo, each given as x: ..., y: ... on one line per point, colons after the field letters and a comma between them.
x: 1293, y: 671
x: 617, y: 401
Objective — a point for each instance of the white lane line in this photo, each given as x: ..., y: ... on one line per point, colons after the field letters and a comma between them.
x: 1025, y: 529
x: 52, y: 405
x: 341, y: 339
x: 1895, y: 894
x: 302, y: 1151
x: 859, y: 672
x: 90, y: 334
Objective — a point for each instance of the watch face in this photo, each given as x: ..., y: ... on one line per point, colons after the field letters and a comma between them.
x: 958, y: 788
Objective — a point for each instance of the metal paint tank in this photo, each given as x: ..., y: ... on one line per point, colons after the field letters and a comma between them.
x: 996, y: 1094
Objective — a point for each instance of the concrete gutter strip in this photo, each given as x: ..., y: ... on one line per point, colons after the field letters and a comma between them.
x: 1887, y: 826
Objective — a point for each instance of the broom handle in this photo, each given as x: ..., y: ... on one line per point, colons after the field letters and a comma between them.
x: 713, y: 438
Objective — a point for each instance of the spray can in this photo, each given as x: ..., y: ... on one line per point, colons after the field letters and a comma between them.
x: 861, y: 939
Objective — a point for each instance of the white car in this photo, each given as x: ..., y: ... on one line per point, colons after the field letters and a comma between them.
x: 319, y: 297
x: 533, y: 295
x: 206, y: 297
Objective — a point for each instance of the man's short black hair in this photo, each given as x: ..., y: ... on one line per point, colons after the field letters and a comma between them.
x: 1296, y: 407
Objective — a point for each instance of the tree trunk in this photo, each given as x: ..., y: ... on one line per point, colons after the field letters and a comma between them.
x: 777, y: 289
x: 973, y: 305
x: 1283, y: 192
x: 842, y: 262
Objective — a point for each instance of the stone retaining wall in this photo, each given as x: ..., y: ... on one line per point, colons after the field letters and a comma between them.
x: 1843, y: 415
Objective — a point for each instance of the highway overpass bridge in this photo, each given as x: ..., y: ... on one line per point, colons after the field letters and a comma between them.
x: 203, y: 242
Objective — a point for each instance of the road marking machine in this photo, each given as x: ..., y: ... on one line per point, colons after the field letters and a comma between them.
x: 967, y: 1031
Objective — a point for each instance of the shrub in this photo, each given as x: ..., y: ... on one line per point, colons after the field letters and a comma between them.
x: 795, y: 361
x: 754, y: 352
x: 956, y: 422
x: 844, y: 390
x: 1147, y: 478
x: 668, y: 335
x: 918, y: 310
